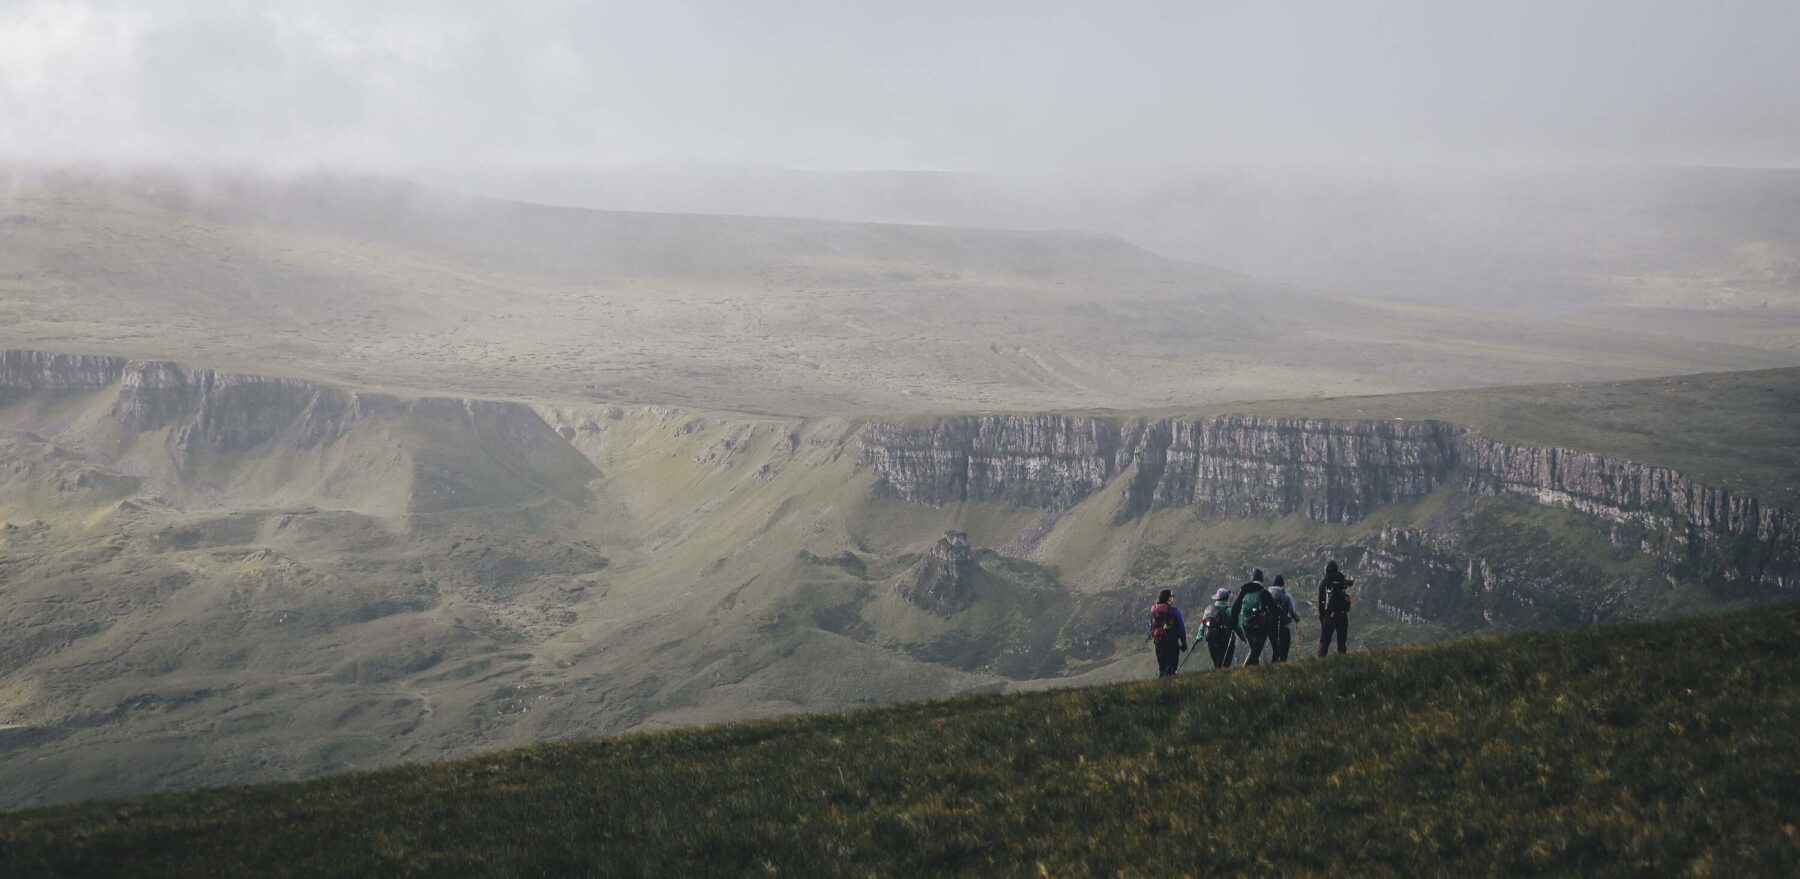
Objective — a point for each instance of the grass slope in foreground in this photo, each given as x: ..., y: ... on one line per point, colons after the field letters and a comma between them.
x: 1662, y: 748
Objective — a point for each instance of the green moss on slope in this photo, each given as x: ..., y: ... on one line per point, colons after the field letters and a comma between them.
x: 1662, y: 748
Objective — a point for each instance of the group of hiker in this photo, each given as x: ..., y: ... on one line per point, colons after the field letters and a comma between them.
x: 1257, y: 616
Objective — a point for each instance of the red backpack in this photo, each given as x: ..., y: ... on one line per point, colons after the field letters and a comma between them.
x: 1162, y: 622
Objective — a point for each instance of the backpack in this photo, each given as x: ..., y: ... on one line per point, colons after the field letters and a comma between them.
x: 1162, y: 622
x: 1256, y: 615
x: 1337, y: 599
x: 1218, y: 623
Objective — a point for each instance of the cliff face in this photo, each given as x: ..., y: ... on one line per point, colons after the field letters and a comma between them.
x: 1654, y: 509
x: 23, y: 373
x: 223, y: 412
x: 1327, y: 471
x: 420, y: 455
x: 1048, y: 461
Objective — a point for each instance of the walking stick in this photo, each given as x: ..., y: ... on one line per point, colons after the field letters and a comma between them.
x: 1193, y: 647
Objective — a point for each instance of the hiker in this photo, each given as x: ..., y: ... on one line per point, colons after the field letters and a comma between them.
x: 1168, y: 630
x: 1254, y: 612
x: 1220, y: 629
x: 1283, y: 636
x: 1334, y: 607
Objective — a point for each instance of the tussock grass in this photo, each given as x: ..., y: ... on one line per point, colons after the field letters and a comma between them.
x: 1662, y: 749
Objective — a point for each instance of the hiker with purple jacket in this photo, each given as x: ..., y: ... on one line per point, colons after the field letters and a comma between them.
x: 1167, y: 629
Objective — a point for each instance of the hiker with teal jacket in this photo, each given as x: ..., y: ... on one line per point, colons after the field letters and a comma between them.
x: 1254, y: 612
x: 1220, y: 629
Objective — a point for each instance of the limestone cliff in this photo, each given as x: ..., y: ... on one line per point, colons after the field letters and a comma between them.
x: 1049, y: 461
x: 23, y: 373
x: 1326, y: 471
x: 1330, y: 471
x: 1654, y: 509
x: 224, y: 412
x: 190, y: 430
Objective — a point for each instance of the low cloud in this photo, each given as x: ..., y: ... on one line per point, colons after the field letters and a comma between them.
x: 1037, y: 86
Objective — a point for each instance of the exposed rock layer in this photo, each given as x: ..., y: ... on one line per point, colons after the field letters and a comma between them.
x: 1653, y: 508
x: 1332, y: 471
x: 449, y: 452
x: 23, y: 373
x: 223, y: 412
x: 1327, y: 471
x: 942, y: 580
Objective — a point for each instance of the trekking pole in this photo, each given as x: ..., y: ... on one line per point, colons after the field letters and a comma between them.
x: 1193, y: 648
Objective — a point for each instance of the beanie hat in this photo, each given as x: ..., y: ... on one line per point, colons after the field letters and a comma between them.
x: 1256, y: 575
x: 1280, y: 581
x: 1222, y: 594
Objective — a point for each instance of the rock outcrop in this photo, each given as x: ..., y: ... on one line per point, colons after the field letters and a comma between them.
x: 1653, y: 509
x: 224, y: 412
x: 942, y: 581
x: 1049, y: 461
x: 1330, y: 471
x: 1326, y: 471
x: 312, y: 442
x: 25, y: 373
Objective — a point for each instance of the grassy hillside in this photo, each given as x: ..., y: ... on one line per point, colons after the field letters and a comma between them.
x: 1662, y: 748
x: 713, y: 568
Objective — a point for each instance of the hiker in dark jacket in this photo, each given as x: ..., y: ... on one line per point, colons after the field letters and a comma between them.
x: 1220, y: 629
x: 1334, y: 607
x: 1283, y: 636
x: 1168, y: 630
x: 1254, y: 612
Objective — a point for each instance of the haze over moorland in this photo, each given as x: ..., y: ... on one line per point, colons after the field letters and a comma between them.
x: 381, y: 283
x: 408, y: 382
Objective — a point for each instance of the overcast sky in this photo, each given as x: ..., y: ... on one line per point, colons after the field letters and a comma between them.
x: 1038, y: 86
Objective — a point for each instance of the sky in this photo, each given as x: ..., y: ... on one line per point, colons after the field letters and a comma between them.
x: 995, y: 86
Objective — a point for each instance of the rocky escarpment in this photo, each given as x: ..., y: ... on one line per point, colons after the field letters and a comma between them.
x: 320, y: 442
x: 26, y: 373
x: 1049, y: 461
x: 1654, y: 509
x: 223, y: 412
x: 1326, y: 471
x: 942, y: 580
x: 1330, y: 471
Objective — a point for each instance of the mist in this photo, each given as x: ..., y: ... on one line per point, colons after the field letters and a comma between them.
x: 1608, y: 162
x: 429, y: 88
x: 391, y: 384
